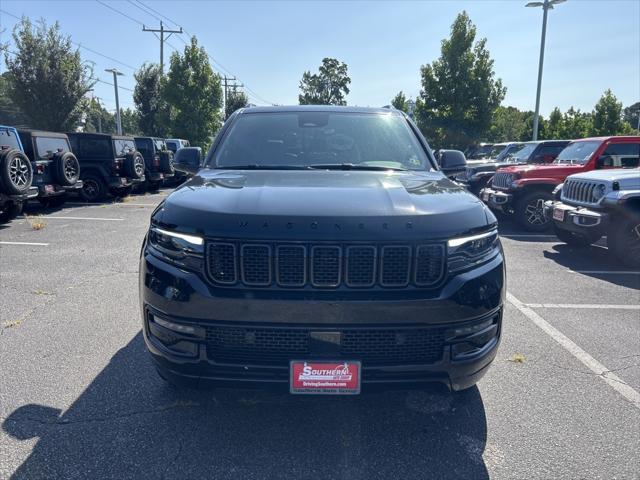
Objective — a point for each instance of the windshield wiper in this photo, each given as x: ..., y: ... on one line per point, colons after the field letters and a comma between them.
x: 351, y: 166
x: 255, y: 166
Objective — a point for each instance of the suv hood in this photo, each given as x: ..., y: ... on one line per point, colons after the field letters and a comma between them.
x: 555, y: 170
x: 612, y: 175
x: 331, y: 205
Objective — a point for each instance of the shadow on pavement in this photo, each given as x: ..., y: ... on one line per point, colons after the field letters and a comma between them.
x: 593, y: 259
x: 129, y: 424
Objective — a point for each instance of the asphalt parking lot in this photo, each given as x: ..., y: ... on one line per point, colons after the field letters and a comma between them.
x: 80, y: 399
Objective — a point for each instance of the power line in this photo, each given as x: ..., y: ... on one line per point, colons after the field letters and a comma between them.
x: 143, y: 10
x: 120, y: 12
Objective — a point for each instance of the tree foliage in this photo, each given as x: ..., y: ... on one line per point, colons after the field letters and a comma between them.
x: 607, y: 115
x: 153, y: 111
x: 194, y: 95
x: 400, y: 102
x: 459, y: 90
x: 10, y: 114
x: 46, y: 78
x: 631, y: 114
x: 130, y: 120
x: 236, y: 99
x: 98, y: 119
x: 329, y: 86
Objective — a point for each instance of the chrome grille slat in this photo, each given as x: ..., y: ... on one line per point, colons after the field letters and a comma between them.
x: 501, y: 180
x: 579, y: 191
x: 259, y: 264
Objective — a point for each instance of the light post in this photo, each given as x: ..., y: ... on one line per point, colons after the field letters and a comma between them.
x: 116, y: 74
x: 546, y: 6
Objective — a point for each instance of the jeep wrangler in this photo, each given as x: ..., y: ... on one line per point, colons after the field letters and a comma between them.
x: 158, y: 160
x: 110, y: 164
x: 56, y: 170
x: 522, y: 190
x: 597, y: 204
x: 16, y: 175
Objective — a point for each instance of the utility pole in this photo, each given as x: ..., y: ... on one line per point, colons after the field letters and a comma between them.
x: 161, y: 31
x: 226, y: 83
x: 116, y: 74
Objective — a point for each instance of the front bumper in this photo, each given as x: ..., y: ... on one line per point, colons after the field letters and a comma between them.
x: 497, y: 199
x: 467, y: 301
x: 576, y: 219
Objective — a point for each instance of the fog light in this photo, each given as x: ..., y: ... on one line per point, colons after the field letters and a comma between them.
x: 180, y: 328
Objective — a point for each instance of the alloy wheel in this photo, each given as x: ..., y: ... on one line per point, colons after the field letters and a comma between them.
x: 138, y: 165
x: 91, y: 189
x: 19, y: 172
x: 70, y: 170
x: 535, y: 212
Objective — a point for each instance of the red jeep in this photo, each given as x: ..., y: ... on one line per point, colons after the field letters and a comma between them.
x: 521, y: 190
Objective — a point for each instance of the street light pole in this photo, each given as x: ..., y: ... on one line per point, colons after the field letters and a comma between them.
x: 546, y: 6
x: 116, y: 74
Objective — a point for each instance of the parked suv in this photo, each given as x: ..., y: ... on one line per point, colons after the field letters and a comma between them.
x: 320, y: 249
x: 109, y: 163
x: 523, y: 190
x: 599, y: 203
x: 56, y: 170
x: 158, y: 161
x: 16, y: 175
x: 175, y: 144
x: 479, y: 172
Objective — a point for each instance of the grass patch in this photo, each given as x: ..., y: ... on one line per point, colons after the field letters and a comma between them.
x: 11, y: 323
x: 41, y: 292
x: 37, y: 223
x: 517, y: 358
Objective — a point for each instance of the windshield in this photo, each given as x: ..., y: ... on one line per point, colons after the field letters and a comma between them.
x: 482, y: 151
x: 495, y: 151
x: 577, y: 152
x: 48, y: 146
x: 305, y: 139
x: 9, y: 139
x: 522, y: 154
x: 122, y: 147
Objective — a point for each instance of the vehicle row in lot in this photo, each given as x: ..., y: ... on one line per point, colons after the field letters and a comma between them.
x: 49, y: 166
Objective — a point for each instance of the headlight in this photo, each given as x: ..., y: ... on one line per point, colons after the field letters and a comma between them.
x: 466, y: 252
x: 557, y: 190
x: 599, y: 192
x: 182, y: 249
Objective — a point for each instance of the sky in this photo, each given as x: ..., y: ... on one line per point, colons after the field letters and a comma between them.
x: 591, y: 45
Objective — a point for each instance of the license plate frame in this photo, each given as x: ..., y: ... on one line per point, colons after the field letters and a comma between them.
x: 558, y: 214
x: 307, y: 377
x: 485, y: 196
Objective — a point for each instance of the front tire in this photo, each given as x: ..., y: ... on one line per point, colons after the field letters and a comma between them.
x: 11, y: 211
x: 624, y: 241
x: 529, y: 211
x: 575, y: 239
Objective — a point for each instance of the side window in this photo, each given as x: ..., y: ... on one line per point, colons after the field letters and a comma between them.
x: 143, y: 147
x: 94, y: 147
x: 620, y: 155
x: 47, y: 146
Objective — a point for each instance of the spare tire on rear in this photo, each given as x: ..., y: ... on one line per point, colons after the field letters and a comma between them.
x: 66, y: 168
x: 16, y: 172
x: 166, y: 161
x: 134, y: 165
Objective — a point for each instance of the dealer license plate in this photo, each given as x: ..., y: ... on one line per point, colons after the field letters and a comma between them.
x: 558, y: 214
x: 325, y: 377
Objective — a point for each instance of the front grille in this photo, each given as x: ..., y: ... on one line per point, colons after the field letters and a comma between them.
x: 320, y: 266
x: 579, y: 191
x: 278, y: 346
x: 502, y: 180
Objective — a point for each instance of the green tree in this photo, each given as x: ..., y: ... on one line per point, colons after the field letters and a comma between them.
x: 459, y: 90
x: 10, y: 114
x: 153, y: 111
x: 329, y: 86
x: 236, y: 99
x: 98, y: 119
x: 555, y: 127
x: 631, y: 114
x: 130, y: 120
x: 194, y: 95
x: 576, y: 124
x: 508, y: 124
x: 607, y: 115
x: 400, y: 102
x: 47, y: 78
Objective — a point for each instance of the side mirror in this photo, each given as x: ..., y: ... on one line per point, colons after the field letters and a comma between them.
x: 452, y: 162
x: 188, y: 160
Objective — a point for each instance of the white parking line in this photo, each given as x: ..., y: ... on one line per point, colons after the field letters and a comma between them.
x: 533, y: 235
x: 117, y: 204
x: 85, y: 218
x: 587, y: 360
x: 605, y: 272
x: 580, y: 305
x: 25, y: 243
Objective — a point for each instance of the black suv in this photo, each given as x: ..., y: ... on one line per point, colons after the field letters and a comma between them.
x: 110, y: 164
x: 158, y: 160
x: 56, y: 170
x: 16, y: 175
x: 320, y: 249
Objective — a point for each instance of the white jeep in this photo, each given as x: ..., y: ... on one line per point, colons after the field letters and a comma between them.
x: 600, y: 203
